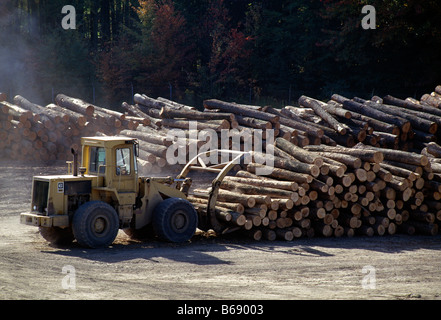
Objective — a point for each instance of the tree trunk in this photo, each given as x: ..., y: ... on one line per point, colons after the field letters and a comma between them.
x: 239, y: 110
x: 74, y: 104
x: 299, y: 153
x: 372, y: 112
x: 322, y: 113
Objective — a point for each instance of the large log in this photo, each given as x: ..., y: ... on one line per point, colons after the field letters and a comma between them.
x: 346, y: 159
x: 295, y: 123
x: 147, y: 101
x: 375, y: 156
x: 176, y: 105
x: 372, y: 112
x: 397, y: 155
x: 171, y: 113
x: 291, y: 165
x: 259, y: 190
x: 298, y: 153
x: 186, y: 124
x: 72, y: 116
x: 240, y: 110
x: 322, y: 113
x: 156, y: 149
x: 148, y: 137
x: 431, y: 100
x: 279, y: 173
x: 74, y: 104
x: 411, y: 105
x: 46, y: 113
x: 271, y: 183
x: 414, y: 118
x: 15, y: 111
x: 47, y: 117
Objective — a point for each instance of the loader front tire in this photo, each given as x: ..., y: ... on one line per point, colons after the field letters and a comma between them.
x: 95, y: 224
x: 175, y: 220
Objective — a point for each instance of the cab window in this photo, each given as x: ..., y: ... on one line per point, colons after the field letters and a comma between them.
x: 97, y: 160
x: 123, y: 166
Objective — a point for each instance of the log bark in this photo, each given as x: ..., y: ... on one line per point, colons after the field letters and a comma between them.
x: 322, y: 113
x: 148, y: 137
x: 411, y: 105
x: 240, y: 110
x: 72, y: 116
x: 74, y: 104
x: 270, y: 183
x: 172, y: 113
x: 431, y: 100
x: 291, y: 165
x: 372, y: 112
x: 299, y: 153
x: 176, y: 105
x: 296, y: 123
x: 375, y: 156
x: 15, y: 111
x: 279, y: 173
x: 147, y: 101
x: 259, y: 190
x: 414, y: 119
x: 156, y: 149
x: 346, y: 159
x: 185, y: 124
x: 398, y: 155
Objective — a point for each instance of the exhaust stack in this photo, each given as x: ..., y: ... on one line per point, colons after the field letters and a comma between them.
x: 75, y: 162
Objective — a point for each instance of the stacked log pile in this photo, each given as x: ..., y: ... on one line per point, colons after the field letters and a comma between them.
x: 385, y: 193
x: 351, y: 180
x: 32, y: 132
x: 341, y: 168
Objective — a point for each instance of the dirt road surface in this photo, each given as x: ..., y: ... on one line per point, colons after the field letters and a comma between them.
x: 389, y: 267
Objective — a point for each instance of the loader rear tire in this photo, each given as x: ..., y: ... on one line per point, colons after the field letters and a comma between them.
x: 175, y: 220
x: 95, y: 224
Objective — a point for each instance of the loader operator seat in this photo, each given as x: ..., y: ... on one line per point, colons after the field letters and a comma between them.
x: 123, y: 161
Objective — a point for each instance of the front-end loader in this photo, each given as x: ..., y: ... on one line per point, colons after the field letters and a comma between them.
x: 93, y: 201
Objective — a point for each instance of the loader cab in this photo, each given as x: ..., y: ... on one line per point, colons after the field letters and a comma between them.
x: 113, y: 161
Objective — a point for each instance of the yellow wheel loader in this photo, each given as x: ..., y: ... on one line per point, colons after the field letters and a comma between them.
x: 105, y: 194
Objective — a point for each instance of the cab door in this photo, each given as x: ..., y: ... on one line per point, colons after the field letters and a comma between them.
x: 125, y: 172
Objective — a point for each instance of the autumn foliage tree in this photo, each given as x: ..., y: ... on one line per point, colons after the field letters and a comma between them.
x: 166, y: 53
x: 399, y: 56
x: 260, y: 51
x: 230, y: 52
x: 152, y: 57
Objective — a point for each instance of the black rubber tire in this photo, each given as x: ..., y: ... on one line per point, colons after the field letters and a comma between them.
x: 175, y: 220
x: 57, y: 236
x: 95, y: 224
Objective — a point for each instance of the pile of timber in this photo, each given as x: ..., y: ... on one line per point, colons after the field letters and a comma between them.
x: 386, y: 122
x: 32, y: 132
x: 341, y: 168
x: 355, y: 191
x: 351, y: 179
